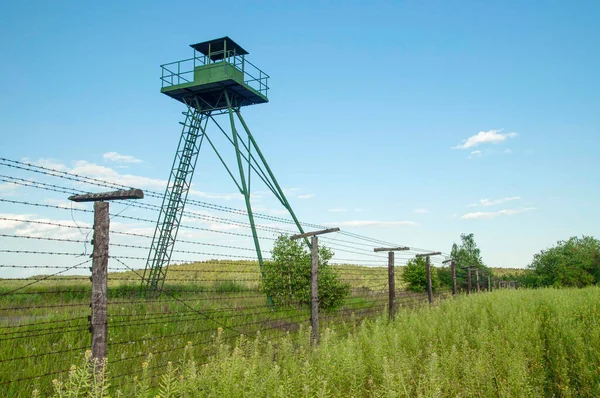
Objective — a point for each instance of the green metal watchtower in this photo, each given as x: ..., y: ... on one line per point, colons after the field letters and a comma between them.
x: 217, y: 80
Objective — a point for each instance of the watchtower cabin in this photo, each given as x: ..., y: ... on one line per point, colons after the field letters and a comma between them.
x: 218, y: 66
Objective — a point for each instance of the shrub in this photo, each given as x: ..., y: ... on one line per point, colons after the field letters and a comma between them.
x: 573, y: 263
x: 415, y: 275
x: 287, y: 277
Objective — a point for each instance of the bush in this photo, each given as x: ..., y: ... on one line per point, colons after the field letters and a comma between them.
x: 415, y: 275
x: 287, y: 277
x: 572, y: 263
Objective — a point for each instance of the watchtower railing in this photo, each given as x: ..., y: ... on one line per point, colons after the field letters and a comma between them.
x: 181, y: 72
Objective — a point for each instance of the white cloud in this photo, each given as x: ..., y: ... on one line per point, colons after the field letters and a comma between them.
x: 65, y: 204
x: 488, y: 202
x: 24, y: 228
x: 474, y: 154
x: 306, y: 196
x: 367, y: 223
x: 338, y: 210
x: 222, y: 196
x: 115, y: 157
x: 421, y: 211
x: 485, y: 137
x: 106, y: 173
x: 494, y: 214
x: 48, y: 163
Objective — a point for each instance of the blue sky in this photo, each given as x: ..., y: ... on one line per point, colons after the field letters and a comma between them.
x: 412, y: 122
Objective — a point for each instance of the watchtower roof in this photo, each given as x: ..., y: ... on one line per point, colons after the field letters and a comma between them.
x: 215, y: 49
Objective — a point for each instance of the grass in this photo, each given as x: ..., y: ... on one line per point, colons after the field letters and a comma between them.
x: 524, y: 343
x: 203, y: 298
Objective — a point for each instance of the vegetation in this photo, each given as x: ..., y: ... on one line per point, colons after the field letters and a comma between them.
x: 467, y: 254
x: 524, y: 343
x: 572, y: 263
x: 50, y: 316
x: 287, y: 277
x: 415, y: 275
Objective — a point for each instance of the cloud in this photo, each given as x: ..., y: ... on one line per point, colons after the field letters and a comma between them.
x: 222, y: 196
x: 93, y: 170
x: 20, y: 225
x: 339, y: 210
x: 488, y: 202
x: 306, y: 196
x: 367, y: 223
x: 115, y: 157
x: 65, y: 204
x: 474, y: 154
x: 421, y: 211
x: 485, y: 137
x: 493, y: 214
x: 48, y: 163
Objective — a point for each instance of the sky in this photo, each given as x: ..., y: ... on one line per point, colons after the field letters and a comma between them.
x: 411, y: 122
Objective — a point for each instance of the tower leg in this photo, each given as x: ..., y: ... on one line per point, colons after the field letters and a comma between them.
x: 171, y: 212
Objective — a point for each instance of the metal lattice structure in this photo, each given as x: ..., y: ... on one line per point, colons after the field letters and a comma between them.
x: 218, y: 80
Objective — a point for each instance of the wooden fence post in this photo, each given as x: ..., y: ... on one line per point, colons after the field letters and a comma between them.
x: 429, y: 287
x: 314, y: 290
x: 428, y: 269
x: 98, y: 318
x: 99, y: 327
x: 453, y: 265
x: 468, y: 281
x: 314, y: 278
x: 489, y: 284
x: 391, y: 284
x: 477, y: 279
x: 391, y: 277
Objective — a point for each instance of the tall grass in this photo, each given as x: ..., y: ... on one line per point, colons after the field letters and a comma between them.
x: 507, y: 343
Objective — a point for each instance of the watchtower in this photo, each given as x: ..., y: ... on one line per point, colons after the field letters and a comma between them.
x: 217, y: 80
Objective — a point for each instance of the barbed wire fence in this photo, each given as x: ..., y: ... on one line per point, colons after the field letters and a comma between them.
x: 212, y: 289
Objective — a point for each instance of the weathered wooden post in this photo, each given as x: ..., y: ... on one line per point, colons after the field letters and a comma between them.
x: 453, y: 269
x: 468, y: 280
x: 98, y: 318
x: 489, y: 284
x: 428, y: 271
x: 98, y: 323
x: 391, y: 277
x: 477, y: 279
x: 314, y: 278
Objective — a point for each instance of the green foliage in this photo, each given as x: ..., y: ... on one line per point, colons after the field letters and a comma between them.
x: 415, y: 275
x: 574, y: 262
x: 466, y: 254
x: 87, y: 381
x: 525, y: 343
x: 287, y: 276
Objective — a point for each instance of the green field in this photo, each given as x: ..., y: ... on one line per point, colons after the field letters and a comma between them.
x: 45, y: 328
x: 523, y: 343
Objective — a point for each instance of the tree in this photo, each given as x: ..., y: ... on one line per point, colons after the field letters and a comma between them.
x: 573, y: 263
x: 287, y: 276
x: 415, y: 275
x: 467, y: 254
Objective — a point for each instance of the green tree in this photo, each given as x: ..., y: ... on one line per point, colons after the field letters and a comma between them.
x: 415, y: 275
x: 466, y: 254
x: 287, y: 276
x: 574, y: 262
